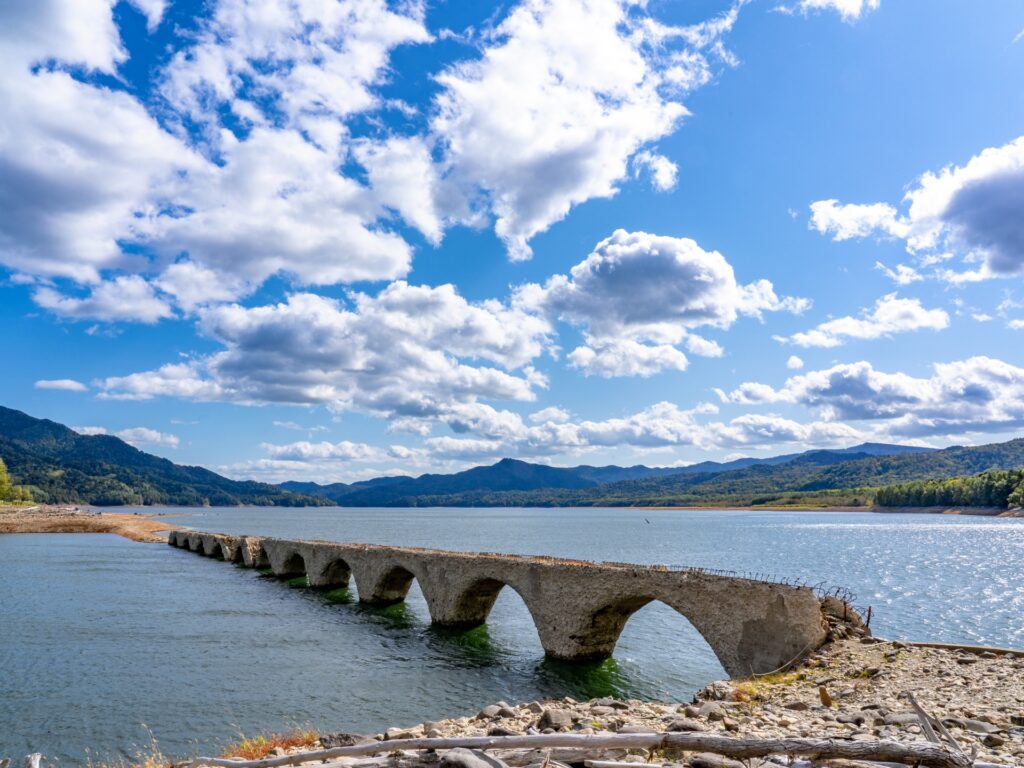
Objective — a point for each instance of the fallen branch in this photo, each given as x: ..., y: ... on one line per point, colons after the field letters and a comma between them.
x: 922, y: 754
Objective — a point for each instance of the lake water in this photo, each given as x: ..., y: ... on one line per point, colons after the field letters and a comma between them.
x: 105, y: 642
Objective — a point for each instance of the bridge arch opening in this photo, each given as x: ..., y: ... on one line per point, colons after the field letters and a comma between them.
x: 335, y: 575
x: 683, y: 661
x: 497, y: 609
x: 392, y: 586
x: 232, y: 554
x: 196, y: 545
x: 260, y: 561
x: 294, y: 565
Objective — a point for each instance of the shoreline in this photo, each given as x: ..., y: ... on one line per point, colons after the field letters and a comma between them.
x: 852, y: 690
x: 143, y: 527
x: 44, y: 518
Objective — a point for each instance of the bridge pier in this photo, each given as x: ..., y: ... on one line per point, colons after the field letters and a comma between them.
x: 578, y: 608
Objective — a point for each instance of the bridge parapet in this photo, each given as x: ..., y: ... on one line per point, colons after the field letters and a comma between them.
x: 579, y: 608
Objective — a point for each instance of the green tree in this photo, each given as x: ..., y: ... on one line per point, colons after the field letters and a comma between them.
x: 6, y: 488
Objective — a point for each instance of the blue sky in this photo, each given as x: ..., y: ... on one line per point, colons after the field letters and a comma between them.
x: 328, y: 240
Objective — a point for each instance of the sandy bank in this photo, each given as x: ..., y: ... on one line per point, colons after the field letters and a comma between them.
x: 71, y: 519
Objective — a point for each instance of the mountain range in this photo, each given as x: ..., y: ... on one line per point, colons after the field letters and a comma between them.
x: 60, y: 465
x: 510, y: 482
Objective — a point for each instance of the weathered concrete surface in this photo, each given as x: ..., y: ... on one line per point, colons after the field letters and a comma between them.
x: 579, y: 608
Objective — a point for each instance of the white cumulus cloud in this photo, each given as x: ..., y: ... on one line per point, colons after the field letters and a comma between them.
x: 979, y: 394
x: 974, y: 211
x: 890, y: 315
x: 639, y: 296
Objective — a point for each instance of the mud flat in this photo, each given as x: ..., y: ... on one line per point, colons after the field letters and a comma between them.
x: 72, y: 519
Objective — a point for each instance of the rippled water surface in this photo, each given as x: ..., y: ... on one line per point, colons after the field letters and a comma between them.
x: 104, y: 641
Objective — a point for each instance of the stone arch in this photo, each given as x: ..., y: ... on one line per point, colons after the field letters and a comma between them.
x: 231, y: 552
x: 676, y: 636
x: 212, y: 548
x: 336, y: 573
x: 390, y: 586
x: 593, y: 637
x: 260, y: 559
x: 294, y: 564
x: 195, y: 544
x: 472, y: 604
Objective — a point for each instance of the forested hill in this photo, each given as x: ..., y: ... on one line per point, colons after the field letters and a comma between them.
x: 846, y: 477
x: 61, y: 466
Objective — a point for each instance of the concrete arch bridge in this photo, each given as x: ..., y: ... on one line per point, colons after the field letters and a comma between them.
x: 579, y: 608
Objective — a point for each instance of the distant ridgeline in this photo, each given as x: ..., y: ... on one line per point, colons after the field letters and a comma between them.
x: 848, y: 477
x: 989, y: 489
x: 57, y: 465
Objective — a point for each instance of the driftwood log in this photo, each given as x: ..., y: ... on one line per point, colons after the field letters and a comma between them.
x: 922, y: 754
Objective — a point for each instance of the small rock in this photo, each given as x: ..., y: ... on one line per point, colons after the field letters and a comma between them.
x: 691, y: 711
x: 602, y: 711
x: 398, y: 733
x: 717, y: 691
x: 710, y: 760
x: 555, y: 719
x: 1017, y: 719
x: 332, y: 740
x: 683, y: 724
x: 796, y: 705
x: 730, y: 724
x: 610, y: 702
x: 534, y: 707
x: 498, y: 730
x: 975, y: 726
x: 712, y: 711
x: 966, y: 660
x: 491, y: 710
x: 277, y: 752
x: 434, y: 733
x: 851, y: 719
x: 469, y: 758
x: 992, y: 740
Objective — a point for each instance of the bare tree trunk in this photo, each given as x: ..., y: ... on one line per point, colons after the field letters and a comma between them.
x: 923, y: 754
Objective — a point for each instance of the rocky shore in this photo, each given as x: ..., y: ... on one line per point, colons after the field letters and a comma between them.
x: 852, y: 689
x: 44, y: 518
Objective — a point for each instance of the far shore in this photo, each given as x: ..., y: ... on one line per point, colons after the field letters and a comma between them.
x: 145, y: 527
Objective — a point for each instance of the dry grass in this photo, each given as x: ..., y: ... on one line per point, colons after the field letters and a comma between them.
x: 754, y: 688
x: 149, y: 757
x: 258, y: 747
